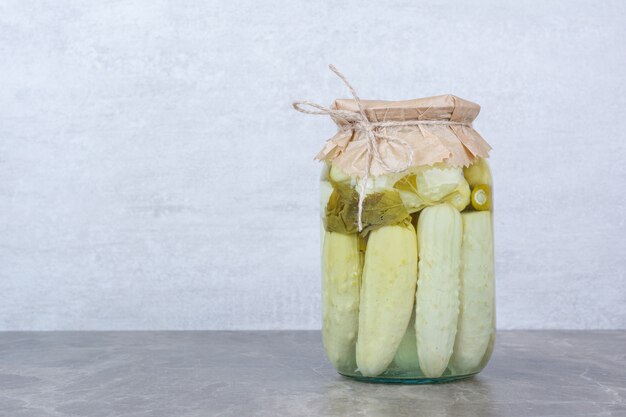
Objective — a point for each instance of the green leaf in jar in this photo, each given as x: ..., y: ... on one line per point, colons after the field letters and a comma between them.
x: 379, y: 209
x: 341, y: 212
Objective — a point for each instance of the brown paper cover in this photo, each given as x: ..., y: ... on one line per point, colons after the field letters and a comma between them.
x: 453, y: 144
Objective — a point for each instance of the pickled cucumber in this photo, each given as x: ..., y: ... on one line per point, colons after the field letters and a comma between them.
x: 387, y: 294
x: 475, y: 326
x: 439, y: 235
x: 341, y: 274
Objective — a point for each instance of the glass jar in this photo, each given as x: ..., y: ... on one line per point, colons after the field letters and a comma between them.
x: 409, y: 298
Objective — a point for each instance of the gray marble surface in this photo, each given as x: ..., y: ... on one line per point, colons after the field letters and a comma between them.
x: 172, y: 374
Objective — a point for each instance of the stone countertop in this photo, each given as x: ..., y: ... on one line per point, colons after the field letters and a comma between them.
x: 180, y: 374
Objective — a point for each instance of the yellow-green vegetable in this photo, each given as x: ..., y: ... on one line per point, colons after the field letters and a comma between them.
x: 439, y: 235
x: 476, y: 318
x: 481, y: 197
x: 341, y: 272
x: 387, y: 294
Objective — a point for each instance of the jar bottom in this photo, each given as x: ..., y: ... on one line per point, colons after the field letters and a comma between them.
x: 407, y: 380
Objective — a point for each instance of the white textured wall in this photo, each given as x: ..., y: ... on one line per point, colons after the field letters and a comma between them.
x: 153, y: 175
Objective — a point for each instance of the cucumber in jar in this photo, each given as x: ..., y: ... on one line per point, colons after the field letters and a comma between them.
x: 387, y: 294
x: 477, y: 298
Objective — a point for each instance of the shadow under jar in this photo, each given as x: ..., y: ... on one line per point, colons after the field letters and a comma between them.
x: 410, y: 298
